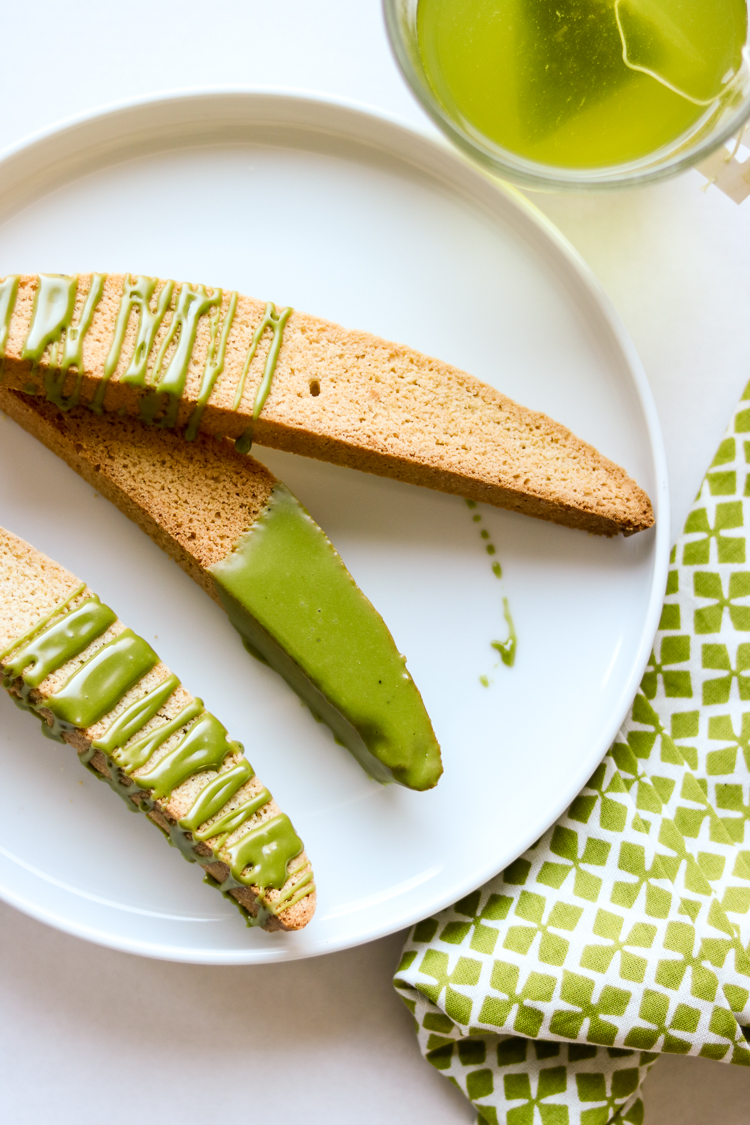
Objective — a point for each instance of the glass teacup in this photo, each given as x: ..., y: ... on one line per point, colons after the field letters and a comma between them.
x: 716, y: 119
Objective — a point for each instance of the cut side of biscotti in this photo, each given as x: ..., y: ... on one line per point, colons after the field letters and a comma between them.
x: 189, y: 357
x: 252, y: 546
x: 101, y: 688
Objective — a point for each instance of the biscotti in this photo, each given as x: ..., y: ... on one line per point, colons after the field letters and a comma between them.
x: 101, y: 688
x: 252, y: 546
x: 187, y: 356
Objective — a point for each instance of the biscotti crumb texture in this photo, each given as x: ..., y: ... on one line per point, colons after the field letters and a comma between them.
x: 190, y: 356
x: 195, y: 499
x: 102, y: 689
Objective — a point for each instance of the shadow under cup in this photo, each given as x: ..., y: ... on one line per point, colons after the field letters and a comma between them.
x: 722, y: 120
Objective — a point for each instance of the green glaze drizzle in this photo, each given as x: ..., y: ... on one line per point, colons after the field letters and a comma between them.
x: 204, y: 747
x: 135, y: 717
x: 8, y: 293
x: 260, y: 856
x: 61, y: 642
x: 52, y: 326
x: 99, y: 684
x: 507, y: 648
x: 236, y: 818
x: 214, y: 365
x: 276, y: 321
x: 54, y: 305
x: 136, y: 755
x: 192, y: 304
x: 295, y: 892
x: 42, y: 622
x: 136, y: 295
x: 72, y: 351
x: 75, y: 335
x: 290, y: 597
x: 267, y: 851
x: 52, y: 315
x: 216, y: 795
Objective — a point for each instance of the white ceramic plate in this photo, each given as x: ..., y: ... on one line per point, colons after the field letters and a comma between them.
x: 352, y: 216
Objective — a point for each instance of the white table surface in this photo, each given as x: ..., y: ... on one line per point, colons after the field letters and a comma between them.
x: 90, y: 1036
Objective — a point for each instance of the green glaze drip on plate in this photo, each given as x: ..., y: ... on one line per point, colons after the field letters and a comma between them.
x: 507, y: 648
x: 97, y: 688
x: 289, y: 595
x: 276, y: 321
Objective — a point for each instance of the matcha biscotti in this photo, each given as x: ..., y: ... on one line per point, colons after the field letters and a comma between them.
x: 101, y: 688
x: 252, y: 546
x: 187, y: 356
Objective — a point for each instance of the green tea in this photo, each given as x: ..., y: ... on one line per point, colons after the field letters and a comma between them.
x: 582, y: 83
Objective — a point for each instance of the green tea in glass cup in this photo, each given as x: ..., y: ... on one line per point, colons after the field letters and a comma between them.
x: 578, y: 93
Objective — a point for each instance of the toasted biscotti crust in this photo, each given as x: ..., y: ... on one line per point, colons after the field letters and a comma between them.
x: 31, y: 586
x: 353, y: 399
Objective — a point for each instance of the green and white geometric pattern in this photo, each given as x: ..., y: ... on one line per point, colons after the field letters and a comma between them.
x: 624, y: 932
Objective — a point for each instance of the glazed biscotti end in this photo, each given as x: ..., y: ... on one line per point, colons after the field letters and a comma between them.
x: 254, y: 548
x: 290, y: 596
x: 101, y: 688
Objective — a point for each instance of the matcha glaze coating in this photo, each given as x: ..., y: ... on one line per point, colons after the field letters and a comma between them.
x: 294, y: 603
x: 263, y: 855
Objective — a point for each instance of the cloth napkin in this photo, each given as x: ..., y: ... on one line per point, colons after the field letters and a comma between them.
x: 623, y: 933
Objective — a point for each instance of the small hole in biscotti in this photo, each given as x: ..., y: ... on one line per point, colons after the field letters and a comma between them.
x: 314, y: 388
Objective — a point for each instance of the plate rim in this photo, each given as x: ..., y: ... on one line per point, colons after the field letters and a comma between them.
x: 371, y: 119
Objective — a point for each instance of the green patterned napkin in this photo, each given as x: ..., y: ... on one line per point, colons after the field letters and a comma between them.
x: 547, y: 995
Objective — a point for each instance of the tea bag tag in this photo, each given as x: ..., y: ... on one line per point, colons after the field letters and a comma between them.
x: 728, y: 169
